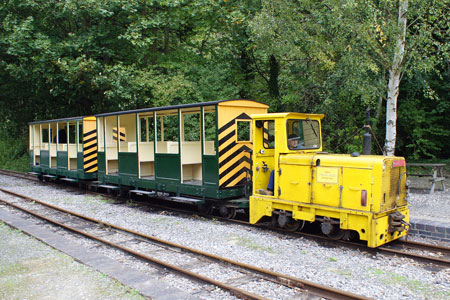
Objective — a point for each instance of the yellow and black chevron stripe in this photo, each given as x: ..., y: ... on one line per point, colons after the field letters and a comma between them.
x: 90, y: 151
x: 122, y: 134
x: 266, y: 135
x: 234, y: 158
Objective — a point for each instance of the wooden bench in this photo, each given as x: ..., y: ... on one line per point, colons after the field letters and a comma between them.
x: 437, y: 173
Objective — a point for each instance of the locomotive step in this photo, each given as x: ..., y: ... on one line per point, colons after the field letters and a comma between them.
x: 49, y: 176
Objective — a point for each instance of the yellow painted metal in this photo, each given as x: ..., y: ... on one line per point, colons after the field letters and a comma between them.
x: 234, y: 155
x: 90, y: 145
x: 359, y: 192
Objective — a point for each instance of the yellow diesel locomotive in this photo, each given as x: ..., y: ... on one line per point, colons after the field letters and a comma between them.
x: 347, y: 194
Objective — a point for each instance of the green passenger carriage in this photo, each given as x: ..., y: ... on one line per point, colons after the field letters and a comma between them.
x: 197, y: 153
x: 64, y: 149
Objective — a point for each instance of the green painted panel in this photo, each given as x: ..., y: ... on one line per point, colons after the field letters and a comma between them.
x: 61, y: 162
x: 167, y: 167
x: 101, y: 162
x: 210, y: 170
x: 44, y: 158
x: 80, y: 162
x: 128, y: 164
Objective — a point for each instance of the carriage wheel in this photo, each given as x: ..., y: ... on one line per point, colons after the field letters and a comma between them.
x: 227, y: 212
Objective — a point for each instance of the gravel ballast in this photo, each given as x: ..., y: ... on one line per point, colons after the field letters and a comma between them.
x: 380, y: 277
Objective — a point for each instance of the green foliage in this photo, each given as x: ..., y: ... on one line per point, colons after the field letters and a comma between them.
x: 14, y: 154
x: 81, y: 57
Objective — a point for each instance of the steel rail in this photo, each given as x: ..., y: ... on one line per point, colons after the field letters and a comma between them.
x: 233, y: 290
x: 381, y: 249
x: 424, y: 246
x: 320, y: 290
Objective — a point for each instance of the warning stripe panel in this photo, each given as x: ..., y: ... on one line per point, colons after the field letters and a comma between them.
x: 239, y: 150
x: 266, y: 137
x: 235, y: 170
x: 238, y: 180
x: 90, y: 162
x: 234, y: 158
x: 230, y: 180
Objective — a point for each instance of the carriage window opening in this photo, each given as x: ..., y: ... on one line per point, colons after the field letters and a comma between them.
x: 243, y: 131
x: 269, y: 134
x: 122, y: 133
x: 144, y: 129
x: 80, y: 133
x: 53, y: 136
x: 168, y: 134
x: 44, y: 135
x: 72, y: 134
x: 210, y: 126
x: 147, y: 129
x: 303, y: 134
x: 210, y: 132
x: 191, y: 127
x: 171, y: 128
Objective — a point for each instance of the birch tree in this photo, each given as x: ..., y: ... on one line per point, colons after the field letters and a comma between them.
x: 395, y: 72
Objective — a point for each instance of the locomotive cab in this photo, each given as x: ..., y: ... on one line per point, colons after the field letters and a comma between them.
x: 294, y: 182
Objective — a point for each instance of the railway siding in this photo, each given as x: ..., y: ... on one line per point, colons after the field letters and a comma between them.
x: 389, y: 277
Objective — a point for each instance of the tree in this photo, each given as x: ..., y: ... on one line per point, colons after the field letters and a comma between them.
x: 395, y: 71
x: 338, y: 55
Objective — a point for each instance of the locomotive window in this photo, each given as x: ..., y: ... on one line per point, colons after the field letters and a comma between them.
x: 303, y: 134
x: 269, y: 134
x: 243, y: 131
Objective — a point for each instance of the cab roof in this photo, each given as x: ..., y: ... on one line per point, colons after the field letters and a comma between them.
x: 288, y: 115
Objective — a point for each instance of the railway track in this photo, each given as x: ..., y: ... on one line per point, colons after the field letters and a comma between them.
x: 426, y: 253
x: 193, y: 262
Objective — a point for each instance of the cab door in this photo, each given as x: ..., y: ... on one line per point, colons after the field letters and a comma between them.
x: 264, y: 154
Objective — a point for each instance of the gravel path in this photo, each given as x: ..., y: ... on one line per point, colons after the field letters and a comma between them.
x: 32, y: 270
x: 429, y: 207
x: 380, y: 277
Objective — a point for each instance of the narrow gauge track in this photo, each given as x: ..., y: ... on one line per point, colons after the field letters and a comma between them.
x: 427, y: 253
x: 242, y: 273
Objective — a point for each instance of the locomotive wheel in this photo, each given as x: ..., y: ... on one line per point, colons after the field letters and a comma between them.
x: 294, y: 225
x: 288, y: 223
x: 227, y: 212
x: 337, y: 234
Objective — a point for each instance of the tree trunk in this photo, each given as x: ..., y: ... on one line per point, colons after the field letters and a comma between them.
x: 274, y: 68
x: 394, y: 81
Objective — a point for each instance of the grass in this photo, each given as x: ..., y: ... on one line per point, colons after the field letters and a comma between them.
x: 417, y: 287
x: 14, y: 154
x: 248, y: 243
